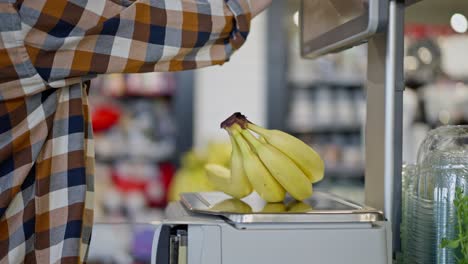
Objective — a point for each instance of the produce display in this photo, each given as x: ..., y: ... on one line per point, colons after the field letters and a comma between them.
x: 191, y: 176
x: 272, y: 163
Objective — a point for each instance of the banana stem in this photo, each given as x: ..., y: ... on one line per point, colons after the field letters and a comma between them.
x: 242, y: 143
x: 236, y: 118
x: 233, y: 142
x: 234, y: 129
x: 250, y: 138
x: 256, y: 129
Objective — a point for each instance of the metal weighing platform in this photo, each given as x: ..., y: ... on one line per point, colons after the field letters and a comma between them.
x: 320, y: 208
x: 212, y: 228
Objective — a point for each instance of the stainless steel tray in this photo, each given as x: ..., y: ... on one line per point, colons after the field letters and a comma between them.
x: 319, y: 208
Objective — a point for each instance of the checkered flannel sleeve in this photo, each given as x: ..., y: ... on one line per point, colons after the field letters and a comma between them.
x: 63, y: 42
x: 48, y: 48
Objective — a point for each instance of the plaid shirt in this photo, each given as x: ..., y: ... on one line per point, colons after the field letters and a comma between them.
x: 48, y: 50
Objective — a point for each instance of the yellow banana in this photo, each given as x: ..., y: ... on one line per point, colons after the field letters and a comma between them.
x: 223, y: 180
x: 232, y: 205
x: 262, y: 139
x: 260, y: 178
x: 298, y: 207
x: 282, y: 168
x: 233, y: 181
x: 303, y: 155
x: 274, y: 208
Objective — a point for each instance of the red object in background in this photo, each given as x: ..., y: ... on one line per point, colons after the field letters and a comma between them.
x: 419, y: 31
x: 104, y: 117
x: 127, y: 183
x: 166, y: 172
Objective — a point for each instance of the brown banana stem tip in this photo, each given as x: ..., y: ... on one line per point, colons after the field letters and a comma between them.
x: 236, y: 118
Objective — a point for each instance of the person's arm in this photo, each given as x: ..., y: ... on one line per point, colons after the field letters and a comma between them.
x: 72, y: 39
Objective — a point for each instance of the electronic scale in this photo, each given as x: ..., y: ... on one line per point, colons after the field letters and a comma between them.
x: 212, y: 228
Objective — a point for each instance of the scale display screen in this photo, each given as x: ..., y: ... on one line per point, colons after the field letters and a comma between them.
x: 329, y: 26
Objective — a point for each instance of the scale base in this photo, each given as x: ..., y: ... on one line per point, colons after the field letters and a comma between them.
x: 232, y: 237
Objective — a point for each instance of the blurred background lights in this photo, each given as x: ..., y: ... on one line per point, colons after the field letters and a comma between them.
x: 425, y: 55
x: 459, y: 23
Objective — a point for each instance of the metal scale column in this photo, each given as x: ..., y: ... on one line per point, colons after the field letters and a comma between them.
x: 383, y: 138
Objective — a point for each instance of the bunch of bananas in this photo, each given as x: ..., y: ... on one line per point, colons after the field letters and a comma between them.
x: 272, y: 164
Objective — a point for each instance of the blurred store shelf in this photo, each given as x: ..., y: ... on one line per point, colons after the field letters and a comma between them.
x: 350, y: 83
x: 345, y: 172
x: 135, y: 135
x: 326, y: 130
